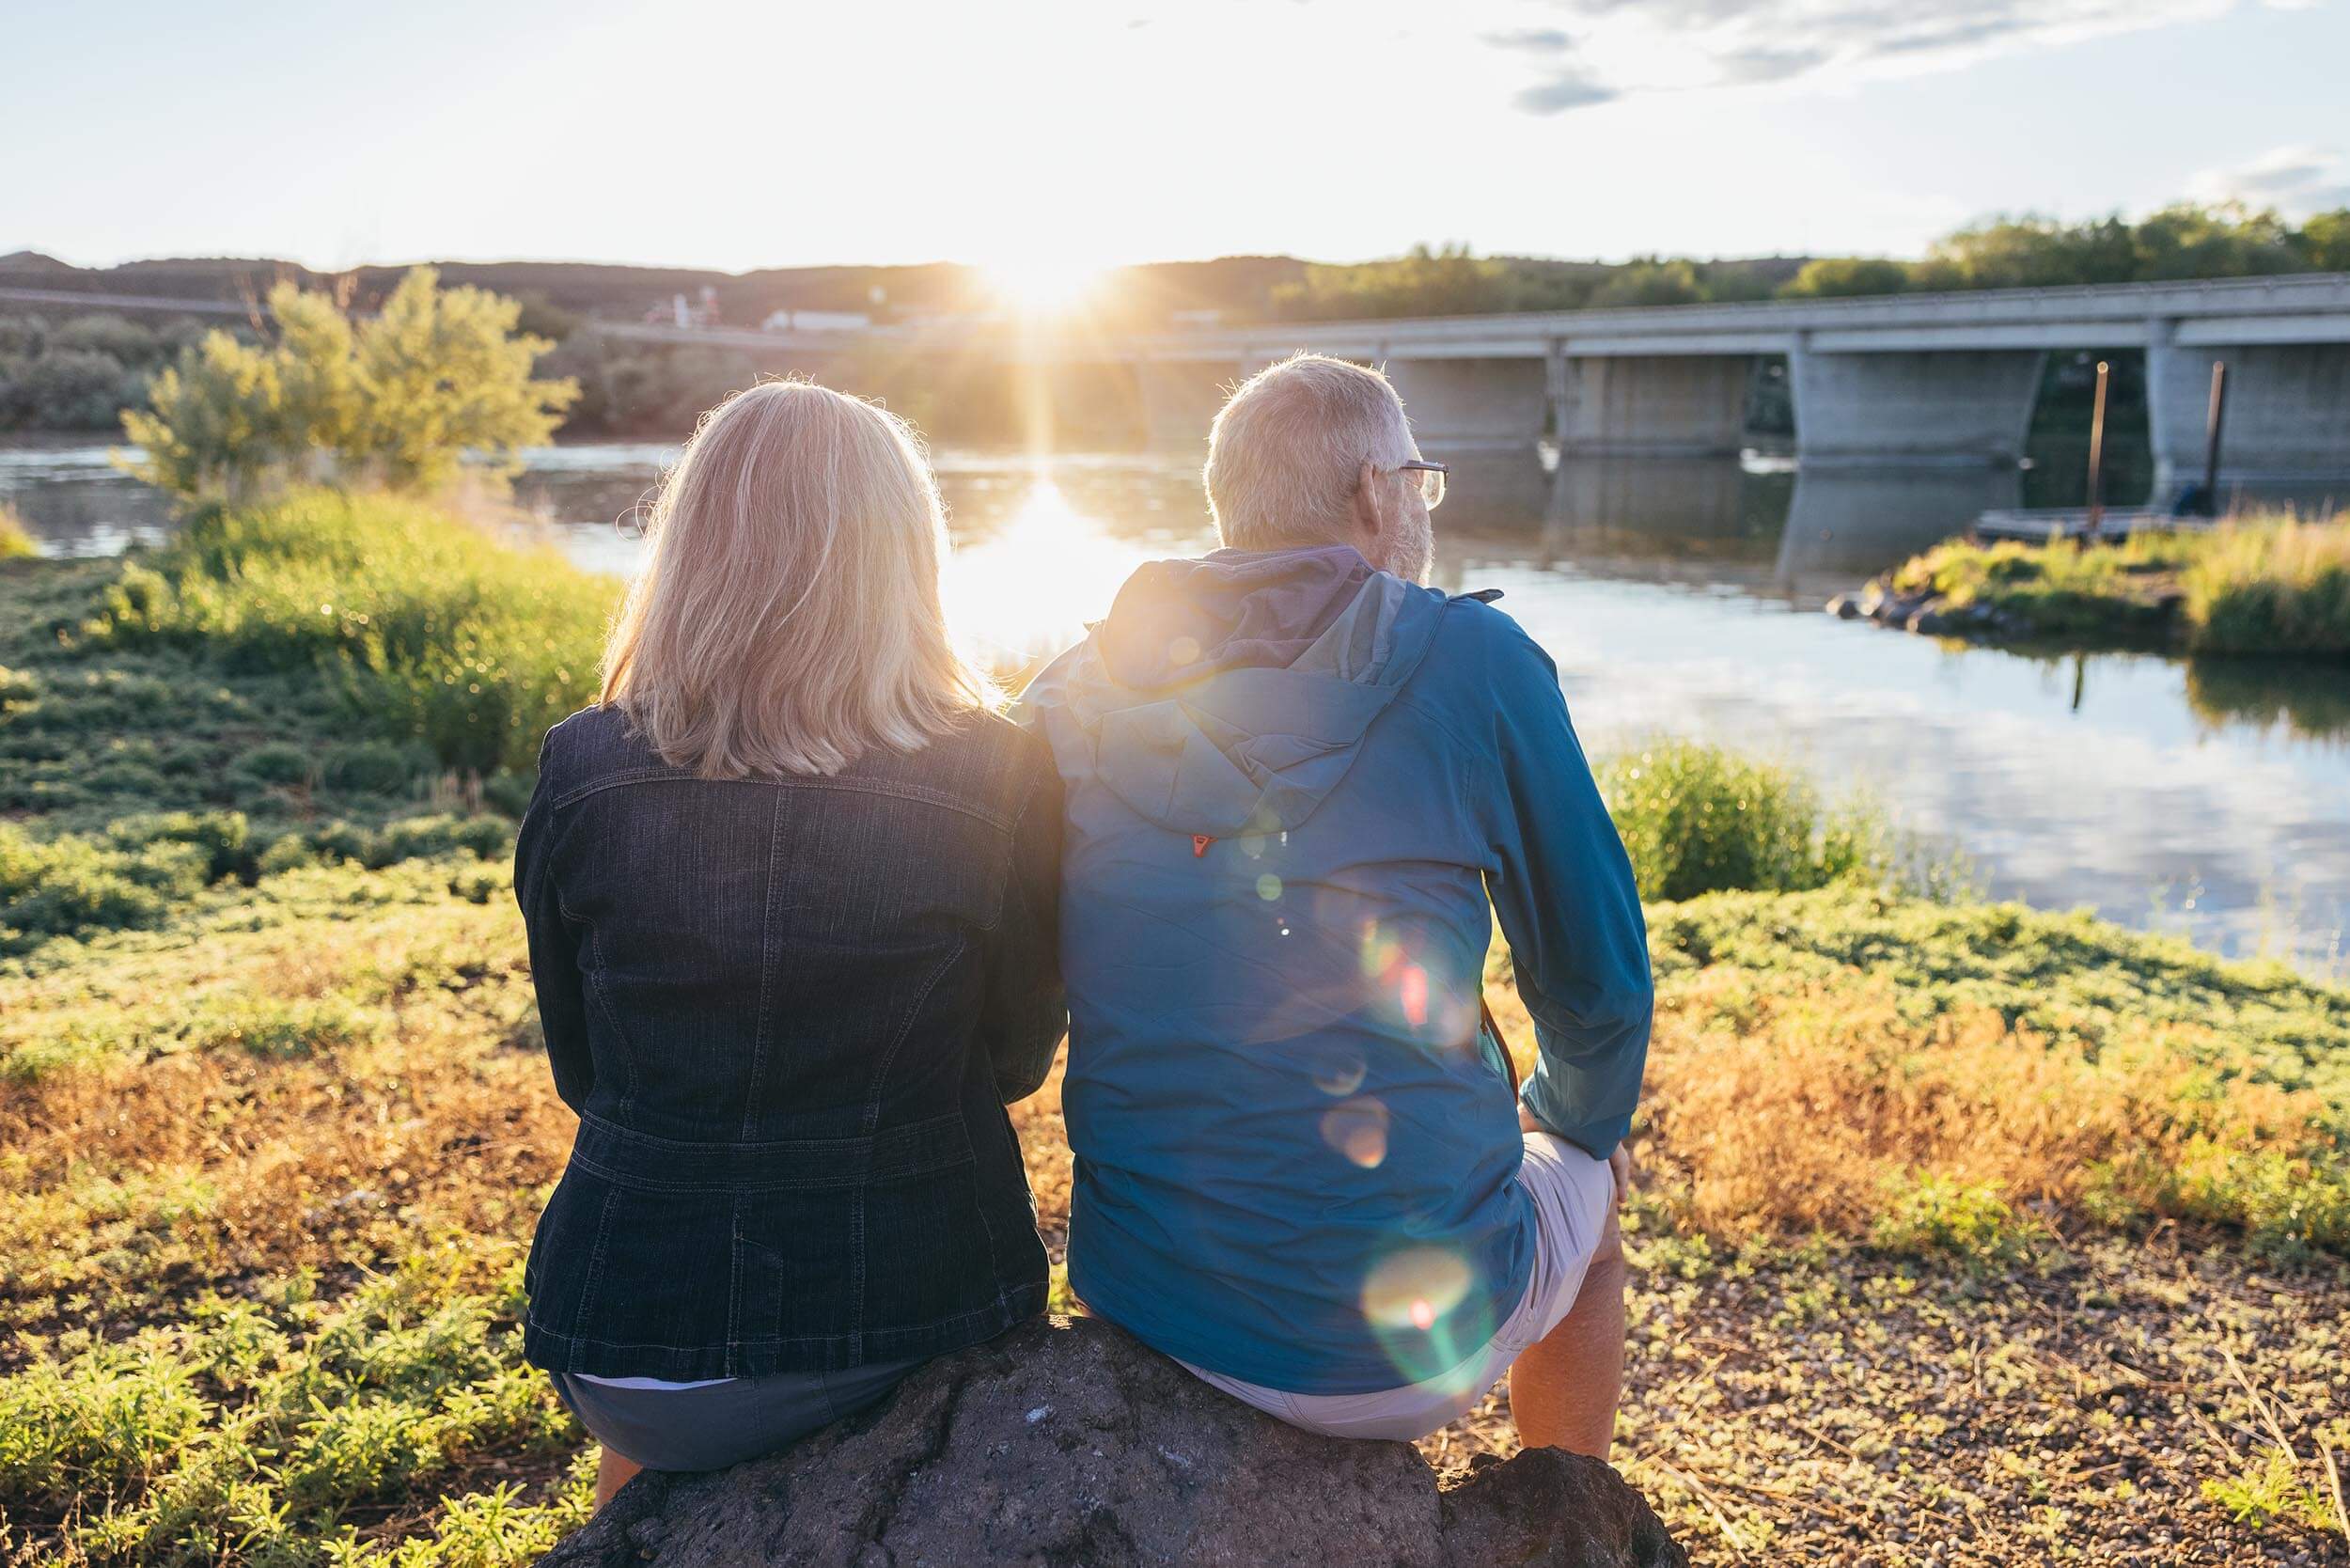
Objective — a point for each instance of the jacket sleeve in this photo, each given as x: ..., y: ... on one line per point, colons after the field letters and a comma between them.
x: 1027, y: 1011
x: 1569, y: 909
x: 555, y: 973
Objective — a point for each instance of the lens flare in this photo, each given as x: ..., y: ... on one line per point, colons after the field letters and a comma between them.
x: 1412, y: 1289
x: 1340, y: 1078
x: 1357, y: 1129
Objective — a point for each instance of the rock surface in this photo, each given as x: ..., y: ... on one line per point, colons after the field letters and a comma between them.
x: 1066, y: 1442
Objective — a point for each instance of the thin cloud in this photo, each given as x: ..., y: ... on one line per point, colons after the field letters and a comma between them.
x: 1534, y: 41
x: 1570, y: 89
x: 1627, y: 47
x: 2296, y: 180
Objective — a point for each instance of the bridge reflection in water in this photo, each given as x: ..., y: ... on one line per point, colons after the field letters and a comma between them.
x: 1758, y: 524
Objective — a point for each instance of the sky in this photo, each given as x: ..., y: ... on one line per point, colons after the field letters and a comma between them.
x: 1051, y: 134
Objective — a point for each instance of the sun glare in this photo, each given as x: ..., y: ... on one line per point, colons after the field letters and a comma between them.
x: 1044, y: 283
x: 1031, y: 588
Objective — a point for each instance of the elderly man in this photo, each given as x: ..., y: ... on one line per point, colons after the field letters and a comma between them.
x: 1298, y: 782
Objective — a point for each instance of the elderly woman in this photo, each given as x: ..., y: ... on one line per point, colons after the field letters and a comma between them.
x: 789, y: 890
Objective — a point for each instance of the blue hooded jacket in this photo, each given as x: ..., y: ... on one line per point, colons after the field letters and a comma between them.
x: 1293, y: 785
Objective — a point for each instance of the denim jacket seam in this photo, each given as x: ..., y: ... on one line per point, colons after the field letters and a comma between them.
x: 768, y: 958
x: 605, y: 1124
x: 593, y: 976
x: 738, y: 1188
x: 889, y: 1058
x: 916, y: 792
x: 595, y: 1261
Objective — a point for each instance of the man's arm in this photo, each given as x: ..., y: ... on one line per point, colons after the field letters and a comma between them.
x: 1569, y: 910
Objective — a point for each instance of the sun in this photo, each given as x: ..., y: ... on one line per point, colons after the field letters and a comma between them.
x: 1044, y: 283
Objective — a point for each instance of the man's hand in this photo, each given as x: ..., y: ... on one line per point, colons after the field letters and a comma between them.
x: 1619, y: 1163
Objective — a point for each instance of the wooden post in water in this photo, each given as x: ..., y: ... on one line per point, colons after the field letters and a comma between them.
x: 2212, y: 423
x: 2097, y: 458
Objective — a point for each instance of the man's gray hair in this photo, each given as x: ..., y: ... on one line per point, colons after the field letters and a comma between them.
x: 1286, y: 450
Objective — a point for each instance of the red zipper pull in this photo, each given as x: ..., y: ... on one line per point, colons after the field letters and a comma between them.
x: 1199, y: 842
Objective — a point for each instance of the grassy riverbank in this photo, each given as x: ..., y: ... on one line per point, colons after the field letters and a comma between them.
x: 2263, y: 584
x: 1958, y: 1223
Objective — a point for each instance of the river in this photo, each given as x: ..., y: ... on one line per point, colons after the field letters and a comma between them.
x: 1681, y: 597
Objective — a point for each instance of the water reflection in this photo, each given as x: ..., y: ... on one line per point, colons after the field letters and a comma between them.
x: 1847, y: 524
x: 2279, y: 698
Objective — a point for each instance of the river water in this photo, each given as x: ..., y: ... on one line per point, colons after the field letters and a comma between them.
x: 1679, y: 598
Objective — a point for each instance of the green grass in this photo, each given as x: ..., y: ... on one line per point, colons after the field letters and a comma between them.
x: 2276, y: 588
x: 2260, y: 584
x: 330, y: 680
x: 425, y: 628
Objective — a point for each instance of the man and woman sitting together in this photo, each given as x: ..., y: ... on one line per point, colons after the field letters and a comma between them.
x: 806, y: 908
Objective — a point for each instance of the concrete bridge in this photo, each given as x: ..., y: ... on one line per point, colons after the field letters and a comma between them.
x: 1904, y: 381
x: 1893, y: 381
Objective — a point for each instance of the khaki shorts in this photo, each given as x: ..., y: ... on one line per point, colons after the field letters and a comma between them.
x: 1572, y: 1195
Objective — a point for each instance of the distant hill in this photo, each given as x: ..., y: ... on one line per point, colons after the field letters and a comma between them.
x: 34, y: 261
x: 1240, y: 288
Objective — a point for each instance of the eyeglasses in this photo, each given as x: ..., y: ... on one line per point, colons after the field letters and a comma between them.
x: 1430, y: 481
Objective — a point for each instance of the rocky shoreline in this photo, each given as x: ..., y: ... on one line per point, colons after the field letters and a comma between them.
x: 2153, y: 621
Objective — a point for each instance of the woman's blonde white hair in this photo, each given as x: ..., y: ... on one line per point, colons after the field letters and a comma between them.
x: 788, y: 616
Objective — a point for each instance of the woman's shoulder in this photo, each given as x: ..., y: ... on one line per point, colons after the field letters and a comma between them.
x: 986, y: 763
x: 594, y: 739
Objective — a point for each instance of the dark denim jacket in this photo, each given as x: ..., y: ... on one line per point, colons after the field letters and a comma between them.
x: 789, y: 1012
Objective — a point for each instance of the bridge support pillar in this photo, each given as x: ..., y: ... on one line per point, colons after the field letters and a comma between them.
x: 1945, y: 406
x: 1469, y: 404
x: 1638, y: 406
x: 2288, y: 415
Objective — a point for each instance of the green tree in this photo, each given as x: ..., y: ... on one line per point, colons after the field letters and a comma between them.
x: 2186, y: 240
x: 395, y: 401
x: 2325, y: 240
x: 1839, y: 277
x: 2032, y: 252
x: 1650, y: 281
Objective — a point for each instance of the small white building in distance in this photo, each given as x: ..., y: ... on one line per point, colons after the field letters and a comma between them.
x: 817, y: 320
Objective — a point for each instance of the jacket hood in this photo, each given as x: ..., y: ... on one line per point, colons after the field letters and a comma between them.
x: 1230, y: 694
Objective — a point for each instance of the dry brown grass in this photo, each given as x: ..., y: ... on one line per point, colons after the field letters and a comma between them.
x: 1796, y: 1107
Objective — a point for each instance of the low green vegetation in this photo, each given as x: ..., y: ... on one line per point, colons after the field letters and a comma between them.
x: 1696, y: 819
x: 16, y: 540
x: 423, y: 626
x: 2260, y: 584
x: 328, y: 679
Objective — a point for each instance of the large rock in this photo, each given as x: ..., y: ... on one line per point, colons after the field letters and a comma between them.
x: 1066, y: 1442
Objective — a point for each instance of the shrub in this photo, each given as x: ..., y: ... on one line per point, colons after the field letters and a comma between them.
x: 277, y: 763
x: 1697, y: 819
x: 1970, y: 1221
x: 395, y: 401
x: 419, y: 622
x: 16, y: 540
x: 2278, y: 585
x: 68, y: 885
x: 370, y: 767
